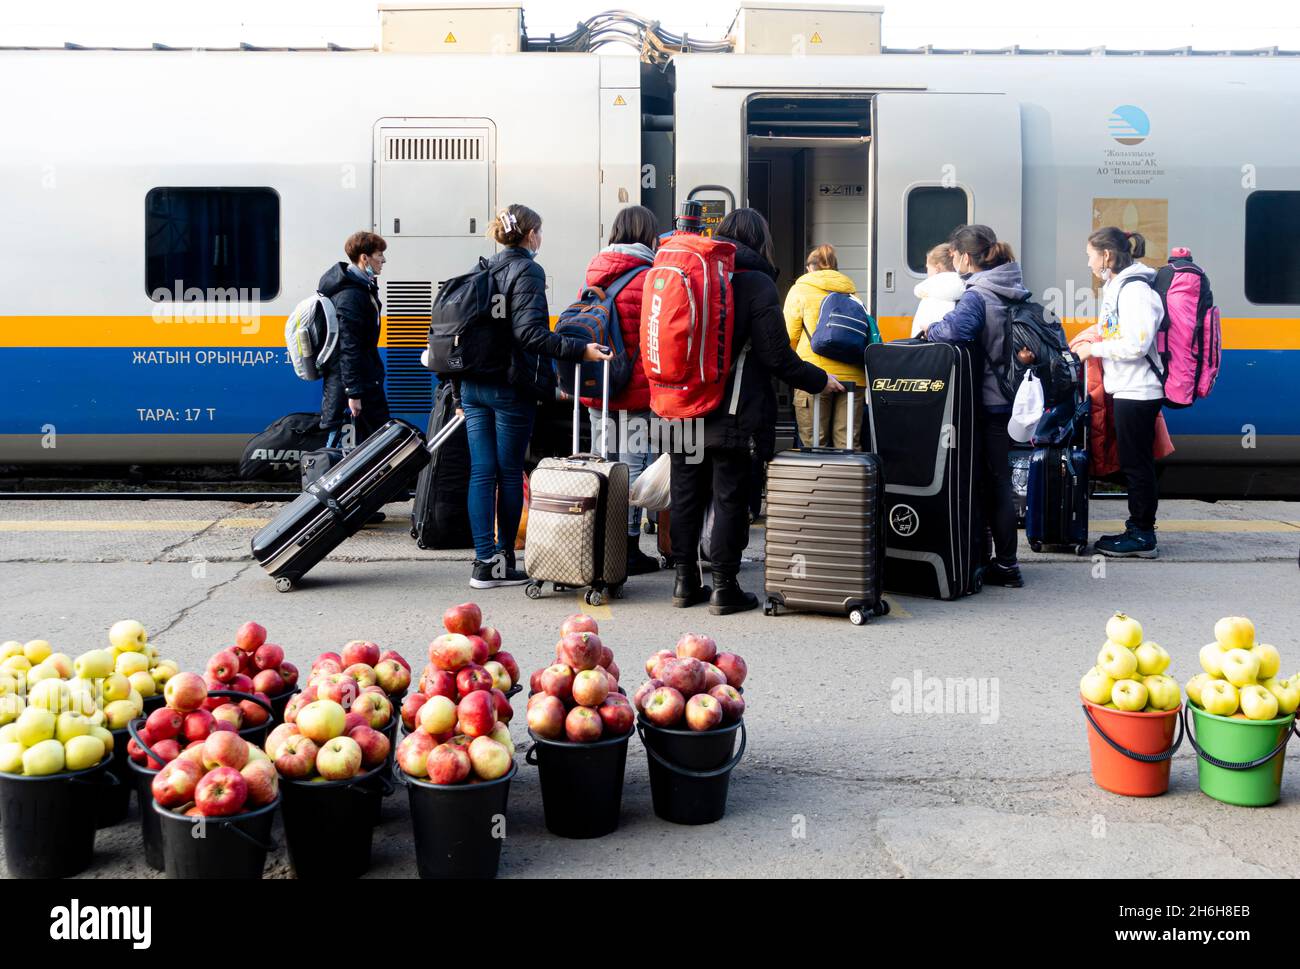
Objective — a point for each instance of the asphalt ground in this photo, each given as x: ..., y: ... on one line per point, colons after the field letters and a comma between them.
x: 845, y: 773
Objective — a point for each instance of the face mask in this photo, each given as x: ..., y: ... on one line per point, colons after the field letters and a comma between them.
x: 369, y: 272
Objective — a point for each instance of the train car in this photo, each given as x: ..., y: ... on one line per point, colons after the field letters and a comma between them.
x: 168, y: 208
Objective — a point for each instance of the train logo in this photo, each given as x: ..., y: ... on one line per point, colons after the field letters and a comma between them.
x: 1129, y: 125
x: 904, y: 520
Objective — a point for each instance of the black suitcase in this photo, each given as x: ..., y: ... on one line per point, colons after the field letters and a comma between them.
x: 440, y: 513
x: 1056, y: 512
x: 337, y: 505
x: 825, y: 538
x: 921, y: 408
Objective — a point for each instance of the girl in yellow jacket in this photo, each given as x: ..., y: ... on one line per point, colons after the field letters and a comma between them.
x: 802, y: 307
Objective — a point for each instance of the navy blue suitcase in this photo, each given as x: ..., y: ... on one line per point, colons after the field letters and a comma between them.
x: 1057, y: 511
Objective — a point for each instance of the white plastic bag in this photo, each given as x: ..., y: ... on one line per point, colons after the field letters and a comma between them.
x: 1026, y: 410
x: 652, y: 490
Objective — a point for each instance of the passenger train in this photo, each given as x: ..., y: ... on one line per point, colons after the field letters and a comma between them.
x: 165, y: 209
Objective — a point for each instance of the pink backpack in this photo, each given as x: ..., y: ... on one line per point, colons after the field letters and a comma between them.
x: 1189, y: 337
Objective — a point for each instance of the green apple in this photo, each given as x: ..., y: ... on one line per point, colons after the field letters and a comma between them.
x: 1096, y: 686
x: 115, y: 687
x: 1194, y: 685
x: 1270, y: 660
x: 1129, y: 695
x: 11, y: 705
x: 1162, y: 691
x: 37, y: 650
x: 93, y: 665
x: 1152, y: 659
x: 1234, y: 632
x: 11, y: 757
x: 128, y: 636
x: 142, y: 683
x: 1258, y: 703
x: 1287, y: 693
x: 82, y: 697
x: 35, y: 725
x: 119, y: 713
x: 69, y: 725
x: 1211, y: 657
x: 1116, y: 661
x: 82, y: 752
x: 1123, y: 630
x: 128, y: 663
x: 1219, y: 697
x: 43, y: 758
x: 136, y: 701
x: 1240, y: 667
x: 10, y: 648
x: 16, y: 664
x: 104, y: 734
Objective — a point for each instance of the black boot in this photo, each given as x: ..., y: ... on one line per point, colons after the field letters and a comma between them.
x: 687, y: 590
x: 729, y: 597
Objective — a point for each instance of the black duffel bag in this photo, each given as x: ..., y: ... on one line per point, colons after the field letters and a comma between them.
x: 276, y: 453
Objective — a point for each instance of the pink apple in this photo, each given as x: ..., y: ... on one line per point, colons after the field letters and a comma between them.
x: 480, y: 646
x: 643, y: 691
x: 297, y: 757
x: 224, y: 666
x: 491, y: 636
x: 175, y: 783
x: 278, y: 736
x: 229, y: 713
x: 353, y: 720
x: 327, y: 663
x: 263, y: 782
x: 686, y: 676
x: 535, y: 681
x: 269, y: 656
x: 289, y: 673
x: 225, y: 749
x: 489, y: 758
x: 250, y: 636
x: 246, y: 662
x: 579, y: 623
x: 590, y: 687
x: 437, y: 682
x: 339, y: 759
x: 413, y: 753
x: 473, y: 678
x: 254, y: 714
x: 185, y: 692
x: 466, y: 619
x: 296, y: 703
x: 504, y: 710
x: 222, y: 792
x: 581, y: 651
x: 198, y: 724
x: 583, y: 725
x: 218, y: 725
x: 242, y: 683
x: 164, y: 723
x: 339, y: 687
x: 546, y: 716
x: 508, y: 661
x: 698, y: 646
x: 438, y: 715
x: 375, y: 707
x: 713, y: 677
x: 733, y: 668
x: 617, y: 715
x: 447, y: 764
x: 664, y: 706
x: 477, y: 713
x: 733, y: 704
x: 450, y: 652
x: 360, y: 651
x: 606, y: 656
x: 393, y: 676
x: 613, y: 669
x: 557, y: 680
x: 269, y: 682
x: 653, y: 662
x: 394, y: 655
x: 410, y: 707
x: 374, y: 745
x: 703, y: 712
x: 363, y: 674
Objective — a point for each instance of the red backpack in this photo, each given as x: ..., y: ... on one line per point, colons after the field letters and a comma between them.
x: 686, y: 324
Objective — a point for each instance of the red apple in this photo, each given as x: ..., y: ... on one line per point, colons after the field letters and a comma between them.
x: 222, y: 792
x: 134, y: 748
x: 697, y: 646
x: 686, y: 676
x: 224, y: 666
x: 394, y: 655
x: 197, y: 726
x: 263, y: 782
x: 375, y: 707
x: 508, y: 661
x: 477, y: 713
x: 363, y: 674
x: 546, y: 716
x: 339, y: 687
x: 164, y: 723
x: 581, y: 651
x: 732, y: 666
x: 360, y: 651
x: 229, y: 713
x: 413, y: 753
x: 175, y: 783
x: 326, y: 664
x: 296, y: 703
x: 185, y: 692
x: 223, y: 725
x: 606, y: 656
x: 703, y: 712
x: 269, y: 682
x: 610, y: 678
x: 535, y: 681
x: 297, y: 757
x: 732, y: 703
x: 713, y: 677
x: 437, y: 682
x: 451, y: 652
x: 492, y: 637
x: 278, y: 736
x: 393, y: 676
x: 590, y: 687
x: 653, y: 662
x: 168, y: 750
x: 410, y: 707
x: 374, y: 745
x: 225, y: 749
x: 353, y: 720
x: 579, y: 623
x: 242, y: 683
x: 557, y: 680
x: 289, y: 673
x: 447, y: 764
x: 254, y: 713
x: 664, y: 706
x: 250, y: 636
x: 617, y: 715
x: 246, y: 662
x: 643, y: 691
x: 480, y: 646
x: 489, y: 758
x: 466, y: 619
x: 473, y: 678
x: 504, y: 710
x: 269, y: 656
x: 583, y: 725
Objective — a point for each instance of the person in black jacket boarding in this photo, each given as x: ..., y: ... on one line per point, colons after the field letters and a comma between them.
x: 354, y: 379
x: 500, y: 399
x: 723, y: 474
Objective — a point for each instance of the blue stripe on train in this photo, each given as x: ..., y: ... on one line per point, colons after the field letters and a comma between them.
x: 100, y: 390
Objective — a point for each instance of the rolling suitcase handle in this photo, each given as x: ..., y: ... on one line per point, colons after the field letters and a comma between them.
x: 604, y: 411
x: 850, y: 388
x: 447, y: 430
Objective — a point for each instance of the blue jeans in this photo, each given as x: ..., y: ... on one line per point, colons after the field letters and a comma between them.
x: 636, y: 461
x: 499, y: 421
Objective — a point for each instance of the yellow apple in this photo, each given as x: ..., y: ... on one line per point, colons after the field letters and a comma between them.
x: 52, y: 695
x: 16, y: 664
x: 1212, y: 660
x: 42, y: 671
x: 1194, y: 685
x: 1162, y: 691
x: 1258, y: 703
x: 1240, y: 667
x: 104, y: 734
x: 11, y: 757
x: 1270, y: 660
x: 119, y: 713
x: 256, y: 753
x: 128, y: 636
x: 82, y: 752
x: 136, y: 700
x: 63, y: 663
x: 1129, y: 695
x: 1234, y: 632
x: 7, y: 684
x: 128, y: 663
x: 82, y: 697
x: 1287, y: 693
x: 37, y: 650
x: 1152, y: 659
x: 1116, y: 661
x: 9, y: 733
x: 10, y: 648
x: 1219, y: 697
x: 115, y: 687
x: 1096, y: 686
x: 1123, y: 630
x: 142, y: 683
x: 69, y: 725
x: 11, y: 705
x: 35, y: 725
x: 96, y: 716
x: 93, y: 665
x: 43, y: 758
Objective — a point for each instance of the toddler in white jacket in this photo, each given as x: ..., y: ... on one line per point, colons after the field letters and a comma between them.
x: 939, y: 291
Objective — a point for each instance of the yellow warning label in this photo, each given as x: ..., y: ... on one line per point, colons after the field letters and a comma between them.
x: 816, y: 38
x: 450, y: 38
x: 619, y: 101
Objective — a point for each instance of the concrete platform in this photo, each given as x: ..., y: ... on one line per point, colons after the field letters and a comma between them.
x: 845, y: 775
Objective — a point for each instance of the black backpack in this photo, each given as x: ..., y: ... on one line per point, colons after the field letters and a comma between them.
x: 1031, y: 325
x: 469, y: 325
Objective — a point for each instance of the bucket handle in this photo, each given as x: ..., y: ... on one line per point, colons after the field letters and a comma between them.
x: 1230, y: 765
x: 104, y: 777
x: 135, y: 735
x: 244, y: 696
x: 268, y: 846
x: 726, y: 768
x: 389, y: 787
x: 530, y: 755
x: 398, y: 776
x: 1133, y: 755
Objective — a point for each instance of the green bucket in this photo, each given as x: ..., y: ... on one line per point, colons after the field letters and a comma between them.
x: 1240, y: 761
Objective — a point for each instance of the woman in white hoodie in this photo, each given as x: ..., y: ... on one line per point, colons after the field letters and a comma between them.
x: 940, y: 289
x: 1130, y: 314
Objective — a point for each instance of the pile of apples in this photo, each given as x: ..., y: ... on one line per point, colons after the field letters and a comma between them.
x: 38, y: 743
x: 1130, y: 672
x: 187, y: 720
x: 325, y: 741
x: 577, y: 697
x: 222, y: 775
x: 461, y: 663
x: 693, y: 683
x: 1240, y: 678
x: 358, y: 681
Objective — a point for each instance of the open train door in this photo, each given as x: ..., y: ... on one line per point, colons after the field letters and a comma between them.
x: 942, y: 160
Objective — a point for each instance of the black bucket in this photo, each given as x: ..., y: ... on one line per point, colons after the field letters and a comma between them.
x: 279, y: 702
x: 328, y: 824
x: 455, y: 825
x: 376, y: 784
x: 582, y: 784
x: 228, y: 847
x: 152, y: 703
x: 115, y: 799
x: 142, y: 780
x: 690, y: 770
x: 49, y: 822
x: 254, y: 735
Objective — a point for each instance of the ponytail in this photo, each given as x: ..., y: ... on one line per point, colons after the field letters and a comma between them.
x: 1123, y: 247
x: 980, y: 244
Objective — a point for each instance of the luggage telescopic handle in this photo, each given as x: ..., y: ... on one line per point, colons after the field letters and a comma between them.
x: 604, y: 409
x: 445, y: 432
x: 851, y: 389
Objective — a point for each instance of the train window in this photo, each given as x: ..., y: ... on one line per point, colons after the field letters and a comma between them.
x: 932, y: 213
x: 1272, y: 259
x: 213, y: 240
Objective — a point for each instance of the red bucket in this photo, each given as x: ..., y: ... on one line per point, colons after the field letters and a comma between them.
x: 1131, y: 751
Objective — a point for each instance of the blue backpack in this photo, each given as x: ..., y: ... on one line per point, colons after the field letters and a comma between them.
x: 844, y: 328
x: 594, y: 319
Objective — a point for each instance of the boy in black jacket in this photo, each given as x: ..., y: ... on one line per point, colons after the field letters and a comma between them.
x: 354, y: 379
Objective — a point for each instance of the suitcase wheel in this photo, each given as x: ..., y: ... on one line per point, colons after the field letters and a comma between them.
x: 882, y: 608
x: 1036, y: 546
x: 769, y: 607
x: 533, y: 590
x: 415, y: 532
x: 617, y: 591
x: 594, y: 598
x: 858, y: 617
x: 1081, y: 549
x: 283, y: 584
x: 664, y: 562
